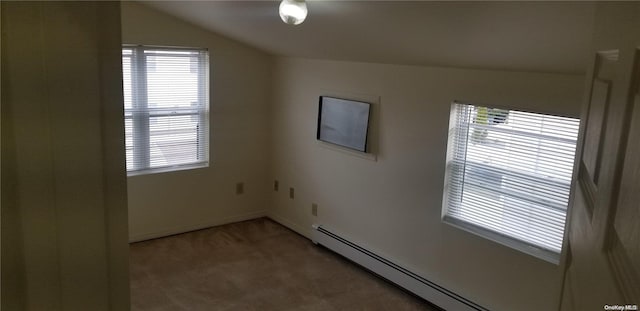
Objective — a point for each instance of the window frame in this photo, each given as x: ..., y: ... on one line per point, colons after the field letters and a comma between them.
x: 140, y: 114
x: 476, y: 229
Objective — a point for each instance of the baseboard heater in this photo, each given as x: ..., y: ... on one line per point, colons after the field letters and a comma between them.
x: 402, y: 277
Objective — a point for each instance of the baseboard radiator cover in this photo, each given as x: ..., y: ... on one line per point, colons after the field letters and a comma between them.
x: 394, y: 273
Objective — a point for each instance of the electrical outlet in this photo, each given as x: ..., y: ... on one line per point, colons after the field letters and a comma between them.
x: 240, y: 188
x: 291, y: 194
x: 314, y: 209
x: 276, y: 185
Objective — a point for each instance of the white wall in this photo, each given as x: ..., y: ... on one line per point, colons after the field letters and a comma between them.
x: 62, y: 143
x: 165, y: 203
x: 392, y: 204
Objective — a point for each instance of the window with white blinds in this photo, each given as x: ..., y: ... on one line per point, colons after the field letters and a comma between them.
x: 166, y: 101
x: 509, y: 175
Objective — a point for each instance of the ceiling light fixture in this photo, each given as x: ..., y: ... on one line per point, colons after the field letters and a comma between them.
x: 293, y: 12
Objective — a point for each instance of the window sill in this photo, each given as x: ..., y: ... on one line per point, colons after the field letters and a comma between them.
x: 167, y: 169
x: 543, y: 254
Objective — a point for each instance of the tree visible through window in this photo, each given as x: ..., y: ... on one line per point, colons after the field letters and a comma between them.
x: 509, y: 175
x: 166, y: 100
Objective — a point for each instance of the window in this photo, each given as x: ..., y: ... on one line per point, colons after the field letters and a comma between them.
x: 509, y: 175
x: 166, y: 100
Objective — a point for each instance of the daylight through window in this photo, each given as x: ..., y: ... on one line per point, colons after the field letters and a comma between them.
x: 509, y: 175
x: 166, y: 100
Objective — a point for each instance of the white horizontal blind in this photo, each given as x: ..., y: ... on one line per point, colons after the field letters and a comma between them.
x: 166, y: 97
x: 509, y: 174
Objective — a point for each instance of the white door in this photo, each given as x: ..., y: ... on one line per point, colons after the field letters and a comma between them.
x: 602, y: 267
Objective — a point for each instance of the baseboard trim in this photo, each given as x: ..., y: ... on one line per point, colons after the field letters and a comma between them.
x: 393, y: 272
x: 289, y: 224
x: 194, y: 227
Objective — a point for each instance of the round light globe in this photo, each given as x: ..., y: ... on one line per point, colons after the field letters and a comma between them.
x: 293, y: 12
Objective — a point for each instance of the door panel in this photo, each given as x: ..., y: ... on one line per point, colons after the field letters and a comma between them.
x: 598, y: 107
x: 602, y: 264
x: 624, y: 244
x: 596, y: 126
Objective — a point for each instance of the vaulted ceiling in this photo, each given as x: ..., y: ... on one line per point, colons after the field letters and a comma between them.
x: 522, y: 36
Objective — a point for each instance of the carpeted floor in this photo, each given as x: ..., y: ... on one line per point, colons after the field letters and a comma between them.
x: 254, y: 265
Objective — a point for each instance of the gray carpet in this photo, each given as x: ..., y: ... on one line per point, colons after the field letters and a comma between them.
x: 254, y: 265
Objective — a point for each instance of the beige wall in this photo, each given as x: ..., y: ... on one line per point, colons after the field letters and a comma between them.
x: 161, y: 204
x: 392, y: 203
x: 62, y: 144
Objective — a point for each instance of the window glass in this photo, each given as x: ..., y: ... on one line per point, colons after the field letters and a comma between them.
x: 166, y: 102
x: 509, y: 176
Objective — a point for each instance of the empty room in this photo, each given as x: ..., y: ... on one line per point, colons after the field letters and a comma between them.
x: 320, y: 155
